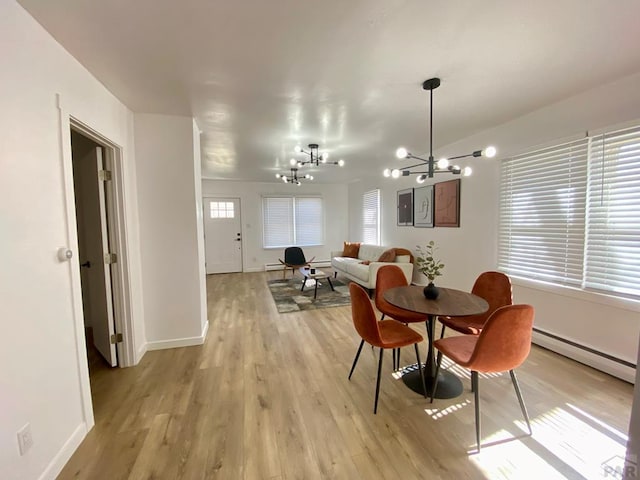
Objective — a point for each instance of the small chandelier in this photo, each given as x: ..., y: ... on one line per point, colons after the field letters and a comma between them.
x: 432, y: 167
x: 315, y: 157
x: 293, y: 177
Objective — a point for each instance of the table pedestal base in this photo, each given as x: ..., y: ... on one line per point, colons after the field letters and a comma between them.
x: 449, y: 386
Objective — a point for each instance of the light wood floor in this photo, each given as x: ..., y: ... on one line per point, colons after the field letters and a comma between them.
x: 267, y: 397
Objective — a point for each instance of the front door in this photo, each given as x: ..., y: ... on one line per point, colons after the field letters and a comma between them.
x: 223, y: 235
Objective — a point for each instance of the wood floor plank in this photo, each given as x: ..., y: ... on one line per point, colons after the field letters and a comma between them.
x: 267, y: 397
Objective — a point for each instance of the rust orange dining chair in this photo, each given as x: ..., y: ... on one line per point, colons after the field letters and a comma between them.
x: 495, y: 288
x: 502, y: 345
x: 384, y: 335
x: 391, y: 276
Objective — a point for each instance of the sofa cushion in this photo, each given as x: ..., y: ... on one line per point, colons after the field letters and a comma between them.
x: 341, y: 262
x: 370, y: 252
x: 402, y: 259
x: 388, y: 255
x: 359, y: 271
x: 351, y: 249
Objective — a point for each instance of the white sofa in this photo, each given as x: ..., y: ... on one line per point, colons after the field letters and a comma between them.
x: 356, y: 271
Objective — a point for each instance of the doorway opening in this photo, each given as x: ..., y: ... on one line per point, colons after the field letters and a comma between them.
x: 222, y: 235
x: 93, y: 195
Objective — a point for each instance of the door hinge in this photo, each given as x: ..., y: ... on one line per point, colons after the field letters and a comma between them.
x: 110, y: 258
x: 116, y: 338
x: 104, y: 175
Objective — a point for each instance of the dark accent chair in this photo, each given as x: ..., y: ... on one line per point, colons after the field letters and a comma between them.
x: 294, y: 258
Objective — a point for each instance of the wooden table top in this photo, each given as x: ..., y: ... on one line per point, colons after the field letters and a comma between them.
x: 450, y: 302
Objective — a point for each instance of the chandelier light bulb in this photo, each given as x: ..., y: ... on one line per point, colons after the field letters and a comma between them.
x: 443, y: 164
x: 300, y: 164
x: 402, y: 153
x: 278, y: 175
x: 341, y: 163
x: 285, y: 179
x: 421, y: 178
x: 297, y: 149
x: 298, y: 183
x: 467, y: 171
x: 490, y: 152
x: 395, y: 173
x: 293, y: 161
x: 310, y: 177
x: 386, y: 172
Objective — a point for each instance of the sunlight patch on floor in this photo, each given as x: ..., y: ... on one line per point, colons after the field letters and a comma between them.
x: 564, y: 440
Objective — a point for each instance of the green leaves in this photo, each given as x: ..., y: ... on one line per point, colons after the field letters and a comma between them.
x: 426, y: 262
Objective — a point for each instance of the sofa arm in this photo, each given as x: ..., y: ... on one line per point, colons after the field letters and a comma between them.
x: 407, y: 269
x: 337, y: 253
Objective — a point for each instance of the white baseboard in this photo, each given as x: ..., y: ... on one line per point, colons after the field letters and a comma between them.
x: 62, y: 457
x: 140, y: 353
x: 179, y: 342
x: 603, y: 364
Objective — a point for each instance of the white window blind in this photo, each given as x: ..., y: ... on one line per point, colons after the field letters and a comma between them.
x: 542, y: 214
x: 308, y: 221
x: 371, y: 217
x: 277, y: 222
x: 612, y: 259
x: 288, y: 221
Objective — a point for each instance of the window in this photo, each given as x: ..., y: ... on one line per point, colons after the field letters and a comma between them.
x: 221, y: 210
x: 292, y: 221
x: 570, y: 214
x: 371, y: 217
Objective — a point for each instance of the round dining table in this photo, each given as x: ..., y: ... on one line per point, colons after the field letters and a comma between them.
x: 450, y: 303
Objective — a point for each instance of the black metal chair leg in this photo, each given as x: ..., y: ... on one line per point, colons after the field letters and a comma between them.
x: 435, y: 378
x: 375, y: 405
x: 520, y: 399
x: 442, y: 331
x: 424, y: 384
x: 355, y: 360
x: 474, y: 385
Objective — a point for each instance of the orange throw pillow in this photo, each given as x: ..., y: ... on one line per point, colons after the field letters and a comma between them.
x: 351, y: 249
x: 388, y: 255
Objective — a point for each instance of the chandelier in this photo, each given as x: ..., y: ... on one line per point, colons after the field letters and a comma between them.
x: 293, y: 177
x: 315, y: 157
x: 432, y: 167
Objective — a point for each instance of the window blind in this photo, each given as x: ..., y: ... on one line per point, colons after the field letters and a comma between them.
x: 277, y: 222
x: 308, y: 221
x: 612, y: 259
x: 542, y: 213
x: 288, y: 221
x: 371, y: 217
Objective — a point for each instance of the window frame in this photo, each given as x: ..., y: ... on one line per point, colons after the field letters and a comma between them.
x: 586, y: 283
x: 293, y: 238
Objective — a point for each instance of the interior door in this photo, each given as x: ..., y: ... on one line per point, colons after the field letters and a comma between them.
x: 93, y: 248
x: 223, y: 235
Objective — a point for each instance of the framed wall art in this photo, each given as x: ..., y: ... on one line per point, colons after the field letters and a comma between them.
x: 423, y: 206
x: 405, y: 207
x: 447, y: 204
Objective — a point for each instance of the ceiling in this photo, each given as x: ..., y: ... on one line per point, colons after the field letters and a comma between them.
x: 261, y: 77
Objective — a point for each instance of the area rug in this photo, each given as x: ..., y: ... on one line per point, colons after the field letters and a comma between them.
x: 288, y: 297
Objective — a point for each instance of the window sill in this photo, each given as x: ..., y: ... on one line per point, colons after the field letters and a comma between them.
x: 584, y: 295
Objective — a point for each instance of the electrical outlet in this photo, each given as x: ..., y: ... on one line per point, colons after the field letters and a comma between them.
x: 25, y: 440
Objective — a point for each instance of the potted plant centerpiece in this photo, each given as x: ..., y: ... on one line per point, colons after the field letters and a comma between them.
x: 429, y: 267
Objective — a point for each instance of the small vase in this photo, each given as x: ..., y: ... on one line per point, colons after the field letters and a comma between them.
x: 431, y: 292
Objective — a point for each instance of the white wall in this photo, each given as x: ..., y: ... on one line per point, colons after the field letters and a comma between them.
x: 605, y: 324
x: 41, y: 377
x: 170, y: 229
x: 254, y: 257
